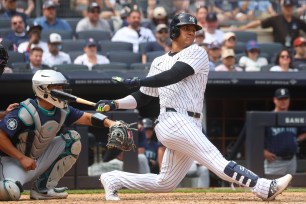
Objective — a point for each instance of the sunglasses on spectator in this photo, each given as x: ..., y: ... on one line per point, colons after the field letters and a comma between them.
x: 232, y: 39
x: 17, y: 22
x: 285, y: 56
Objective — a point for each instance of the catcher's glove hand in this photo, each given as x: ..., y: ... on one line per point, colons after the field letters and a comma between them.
x: 121, y: 137
x: 129, y: 83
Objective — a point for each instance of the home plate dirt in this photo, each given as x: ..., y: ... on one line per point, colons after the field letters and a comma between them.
x: 169, y: 198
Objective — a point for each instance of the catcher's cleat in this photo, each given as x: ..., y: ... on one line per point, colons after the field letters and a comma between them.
x: 278, y: 186
x: 56, y: 193
x: 110, y: 194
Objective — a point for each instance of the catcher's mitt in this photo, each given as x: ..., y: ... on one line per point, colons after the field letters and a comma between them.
x: 121, y: 137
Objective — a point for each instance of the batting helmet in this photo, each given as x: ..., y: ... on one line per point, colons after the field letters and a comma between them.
x: 3, y: 58
x: 147, y: 123
x: 182, y: 19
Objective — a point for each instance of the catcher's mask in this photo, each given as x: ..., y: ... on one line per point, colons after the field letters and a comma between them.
x: 41, y: 82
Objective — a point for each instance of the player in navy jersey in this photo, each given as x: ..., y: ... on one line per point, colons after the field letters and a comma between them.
x: 31, y: 147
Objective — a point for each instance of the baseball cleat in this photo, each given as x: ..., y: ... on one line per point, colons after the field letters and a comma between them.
x: 110, y: 194
x: 278, y: 186
x: 56, y: 193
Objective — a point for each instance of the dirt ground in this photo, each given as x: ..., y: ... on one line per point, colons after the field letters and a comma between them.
x: 172, y: 198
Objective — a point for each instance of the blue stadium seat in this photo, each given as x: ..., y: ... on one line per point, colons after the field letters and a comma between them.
x: 97, y: 35
x: 270, y: 48
x: 152, y: 55
x: 245, y: 36
x: 70, y: 67
x: 15, y: 57
x: 124, y: 57
x: 140, y: 66
x: 110, y: 66
x: 109, y: 46
x: 64, y: 34
x: 73, y: 45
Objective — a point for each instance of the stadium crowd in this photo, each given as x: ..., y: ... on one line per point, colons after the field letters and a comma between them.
x: 131, y: 33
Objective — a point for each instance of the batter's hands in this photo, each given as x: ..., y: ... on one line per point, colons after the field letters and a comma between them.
x: 11, y: 107
x: 27, y: 163
x: 129, y: 83
x: 269, y: 156
x: 101, y: 106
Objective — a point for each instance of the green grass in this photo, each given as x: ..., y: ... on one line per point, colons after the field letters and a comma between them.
x: 179, y: 190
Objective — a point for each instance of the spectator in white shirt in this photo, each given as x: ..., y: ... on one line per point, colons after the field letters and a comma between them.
x: 228, y: 62
x: 252, y: 62
x: 91, y: 58
x: 93, y: 21
x: 134, y: 33
x: 212, y: 33
x: 54, y: 56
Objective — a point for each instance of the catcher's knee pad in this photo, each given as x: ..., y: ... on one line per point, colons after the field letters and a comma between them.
x: 241, y: 174
x: 10, y: 190
x: 63, y: 163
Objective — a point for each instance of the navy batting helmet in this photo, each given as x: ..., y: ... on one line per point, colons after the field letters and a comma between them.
x: 3, y: 58
x: 182, y: 19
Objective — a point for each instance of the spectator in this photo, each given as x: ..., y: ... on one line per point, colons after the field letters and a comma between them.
x: 49, y: 21
x: 252, y: 62
x: 91, y: 58
x: 286, y: 26
x: 228, y: 61
x: 34, y: 34
x: 201, y: 13
x: 159, y: 17
x: 10, y: 10
x: 92, y: 21
x: 18, y: 33
x: 199, y: 37
x: 162, y: 35
x: 226, y: 10
x: 25, y: 6
x: 283, y: 62
x: 212, y: 33
x: 281, y: 143
x: 35, y: 59
x: 134, y: 33
x: 261, y: 9
x: 214, y: 55
x: 299, y: 58
x: 229, y: 41
x: 55, y: 56
x: 244, y: 12
x: 150, y: 9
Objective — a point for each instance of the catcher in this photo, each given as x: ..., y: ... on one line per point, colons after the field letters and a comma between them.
x: 32, y: 149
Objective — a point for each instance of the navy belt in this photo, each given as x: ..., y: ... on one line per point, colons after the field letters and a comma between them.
x: 287, y: 157
x: 191, y: 114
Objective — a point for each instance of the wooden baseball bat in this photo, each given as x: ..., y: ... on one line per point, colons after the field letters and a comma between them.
x: 69, y: 97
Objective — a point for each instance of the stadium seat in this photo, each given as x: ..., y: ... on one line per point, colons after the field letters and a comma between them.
x: 152, y: 55
x: 15, y: 57
x: 110, y: 66
x: 266, y: 68
x: 109, y: 46
x: 97, y: 35
x: 7, y: 44
x: 142, y: 47
x: 73, y: 22
x: 5, y: 23
x: 124, y: 57
x: 64, y: 34
x: 140, y: 66
x: 20, y: 67
x: 74, y: 54
x: 240, y: 47
x: 70, y: 67
x: 245, y: 36
x: 73, y: 45
x: 4, y: 32
x: 270, y: 48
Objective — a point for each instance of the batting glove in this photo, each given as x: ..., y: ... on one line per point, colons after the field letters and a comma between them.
x: 100, y: 105
x: 129, y: 83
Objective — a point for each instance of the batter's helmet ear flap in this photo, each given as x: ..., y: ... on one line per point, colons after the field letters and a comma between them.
x: 175, y: 32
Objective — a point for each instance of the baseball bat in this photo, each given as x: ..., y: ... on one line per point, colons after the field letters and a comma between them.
x: 69, y: 97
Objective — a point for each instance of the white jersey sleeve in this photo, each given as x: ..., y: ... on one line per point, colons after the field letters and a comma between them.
x: 196, y: 57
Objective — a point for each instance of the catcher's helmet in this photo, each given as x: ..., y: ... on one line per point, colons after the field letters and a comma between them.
x: 3, y: 58
x: 182, y: 19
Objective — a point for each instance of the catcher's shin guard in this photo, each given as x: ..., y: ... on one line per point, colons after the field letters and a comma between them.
x: 241, y: 174
x: 50, y: 178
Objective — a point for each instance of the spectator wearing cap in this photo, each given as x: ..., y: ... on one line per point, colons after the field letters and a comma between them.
x: 35, y: 59
x: 90, y: 57
x: 162, y: 35
x: 281, y: 143
x: 214, y: 55
x: 92, y: 21
x: 229, y: 40
x: 55, y: 56
x: 252, y: 62
x: 18, y: 33
x: 10, y: 10
x: 212, y: 33
x: 299, y: 58
x: 34, y: 33
x: 283, y: 62
x: 286, y: 27
x: 49, y: 21
x: 159, y: 17
x: 199, y: 37
x: 228, y: 62
x: 134, y: 33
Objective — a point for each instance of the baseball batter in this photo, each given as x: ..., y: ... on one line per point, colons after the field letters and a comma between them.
x: 179, y: 79
x: 30, y: 148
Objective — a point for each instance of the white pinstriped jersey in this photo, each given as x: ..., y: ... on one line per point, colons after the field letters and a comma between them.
x: 187, y: 94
